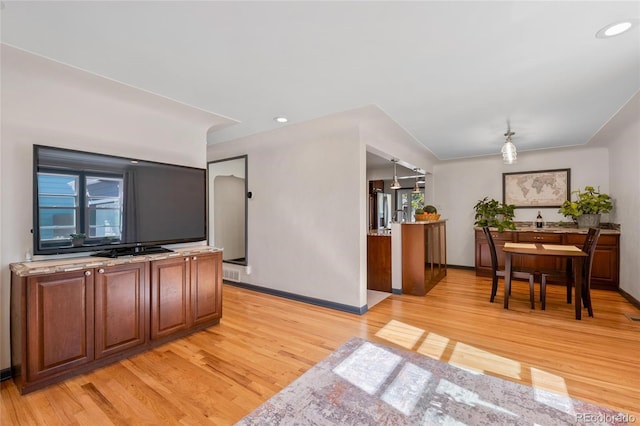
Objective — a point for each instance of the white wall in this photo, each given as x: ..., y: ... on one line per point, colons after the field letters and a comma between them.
x: 622, y: 136
x: 47, y: 103
x: 459, y: 184
x: 308, y: 215
x: 304, y: 217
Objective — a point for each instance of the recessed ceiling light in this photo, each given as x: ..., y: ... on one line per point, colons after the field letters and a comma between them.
x: 615, y: 29
x: 280, y: 119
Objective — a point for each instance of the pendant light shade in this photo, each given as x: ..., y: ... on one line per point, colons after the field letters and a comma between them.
x: 509, y: 153
x: 395, y: 184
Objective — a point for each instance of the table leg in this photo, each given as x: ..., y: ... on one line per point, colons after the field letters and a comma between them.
x: 577, y: 279
x: 507, y: 279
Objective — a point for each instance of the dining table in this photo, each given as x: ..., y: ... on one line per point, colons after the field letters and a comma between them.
x: 539, y: 249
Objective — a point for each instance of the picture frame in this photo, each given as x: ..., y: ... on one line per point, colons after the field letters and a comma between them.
x: 536, y: 189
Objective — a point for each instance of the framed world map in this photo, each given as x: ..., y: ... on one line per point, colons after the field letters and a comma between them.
x: 542, y: 188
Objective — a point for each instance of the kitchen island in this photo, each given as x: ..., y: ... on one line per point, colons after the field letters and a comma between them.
x: 419, y: 253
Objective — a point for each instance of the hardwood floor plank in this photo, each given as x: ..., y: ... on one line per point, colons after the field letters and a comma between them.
x: 263, y: 343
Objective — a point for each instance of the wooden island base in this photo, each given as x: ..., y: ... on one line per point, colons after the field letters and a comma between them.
x: 424, y: 256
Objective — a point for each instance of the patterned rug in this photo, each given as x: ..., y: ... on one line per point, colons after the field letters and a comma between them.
x: 365, y: 383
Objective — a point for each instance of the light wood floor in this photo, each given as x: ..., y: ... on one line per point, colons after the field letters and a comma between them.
x: 263, y: 343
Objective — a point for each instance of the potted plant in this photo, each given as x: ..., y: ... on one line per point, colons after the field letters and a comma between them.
x: 77, y: 239
x: 490, y: 212
x: 587, y: 207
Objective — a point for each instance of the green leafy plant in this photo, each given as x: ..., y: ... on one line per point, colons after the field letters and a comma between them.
x: 78, y: 236
x: 492, y: 213
x: 589, y: 201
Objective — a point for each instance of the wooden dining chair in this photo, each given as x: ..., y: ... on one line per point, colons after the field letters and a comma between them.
x: 588, y: 247
x: 515, y: 273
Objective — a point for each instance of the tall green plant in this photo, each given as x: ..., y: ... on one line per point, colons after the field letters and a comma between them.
x: 490, y: 212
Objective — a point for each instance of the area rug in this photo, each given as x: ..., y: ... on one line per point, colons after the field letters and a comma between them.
x: 365, y: 383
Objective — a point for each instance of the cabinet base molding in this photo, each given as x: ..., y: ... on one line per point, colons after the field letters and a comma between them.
x: 635, y: 302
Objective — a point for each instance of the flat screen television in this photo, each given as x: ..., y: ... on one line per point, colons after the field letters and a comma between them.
x: 113, y: 206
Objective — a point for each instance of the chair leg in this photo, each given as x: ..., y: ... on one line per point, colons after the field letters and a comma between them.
x: 586, y: 294
x: 543, y: 291
x: 569, y: 287
x: 532, y: 295
x: 494, y: 288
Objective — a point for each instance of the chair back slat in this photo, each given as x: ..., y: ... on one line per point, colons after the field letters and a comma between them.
x: 589, y: 247
x: 492, y: 248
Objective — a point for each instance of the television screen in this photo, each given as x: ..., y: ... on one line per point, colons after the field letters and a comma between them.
x: 94, y: 202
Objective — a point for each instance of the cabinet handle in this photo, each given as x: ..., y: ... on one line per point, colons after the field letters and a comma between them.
x: 194, y: 258
x: 87, y: 273
x: 186, y: 259
x: 101, y: 271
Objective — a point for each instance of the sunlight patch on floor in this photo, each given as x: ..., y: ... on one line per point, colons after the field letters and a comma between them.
x: 551, y: 390
x: 548, y: 388
x: 401, y: 334
x: 472, y: 358
x: 433, y: 346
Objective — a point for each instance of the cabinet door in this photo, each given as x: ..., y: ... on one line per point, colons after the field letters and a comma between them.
x: 120, y: 304
x: 605, y: 267
x: 206, y: 287
x: 379, y: 263
x: 483, y: 253
x: 169, y: 296
x: 60, y: 323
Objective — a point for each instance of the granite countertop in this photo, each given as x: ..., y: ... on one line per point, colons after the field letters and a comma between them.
x: 379, y: 233
x: 557, y: 229
x: 23, y: 269
x: 425, y: 222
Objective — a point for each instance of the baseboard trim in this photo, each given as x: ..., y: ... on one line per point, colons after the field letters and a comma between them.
x: 396, y: 290
x: 311, y: 300
x: 635, y: 302
x: 5, y: 374
x: 467, y: 268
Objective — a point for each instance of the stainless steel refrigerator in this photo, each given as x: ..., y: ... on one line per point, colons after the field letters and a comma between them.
x: 384, y: 210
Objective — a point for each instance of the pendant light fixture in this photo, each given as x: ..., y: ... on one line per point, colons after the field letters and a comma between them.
x: 395, y: 184
x: 509, y: 153
x: 416, y: 188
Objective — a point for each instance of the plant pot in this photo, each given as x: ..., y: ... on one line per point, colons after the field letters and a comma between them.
x: 588, y: 220
x: 77, y: 242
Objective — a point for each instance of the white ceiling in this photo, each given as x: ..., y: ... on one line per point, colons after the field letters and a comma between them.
x: 450, y: 73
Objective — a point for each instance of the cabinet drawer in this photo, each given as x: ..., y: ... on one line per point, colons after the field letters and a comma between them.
x: 539, y: 237
x: 497, y: 236
x: 603, y: 240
